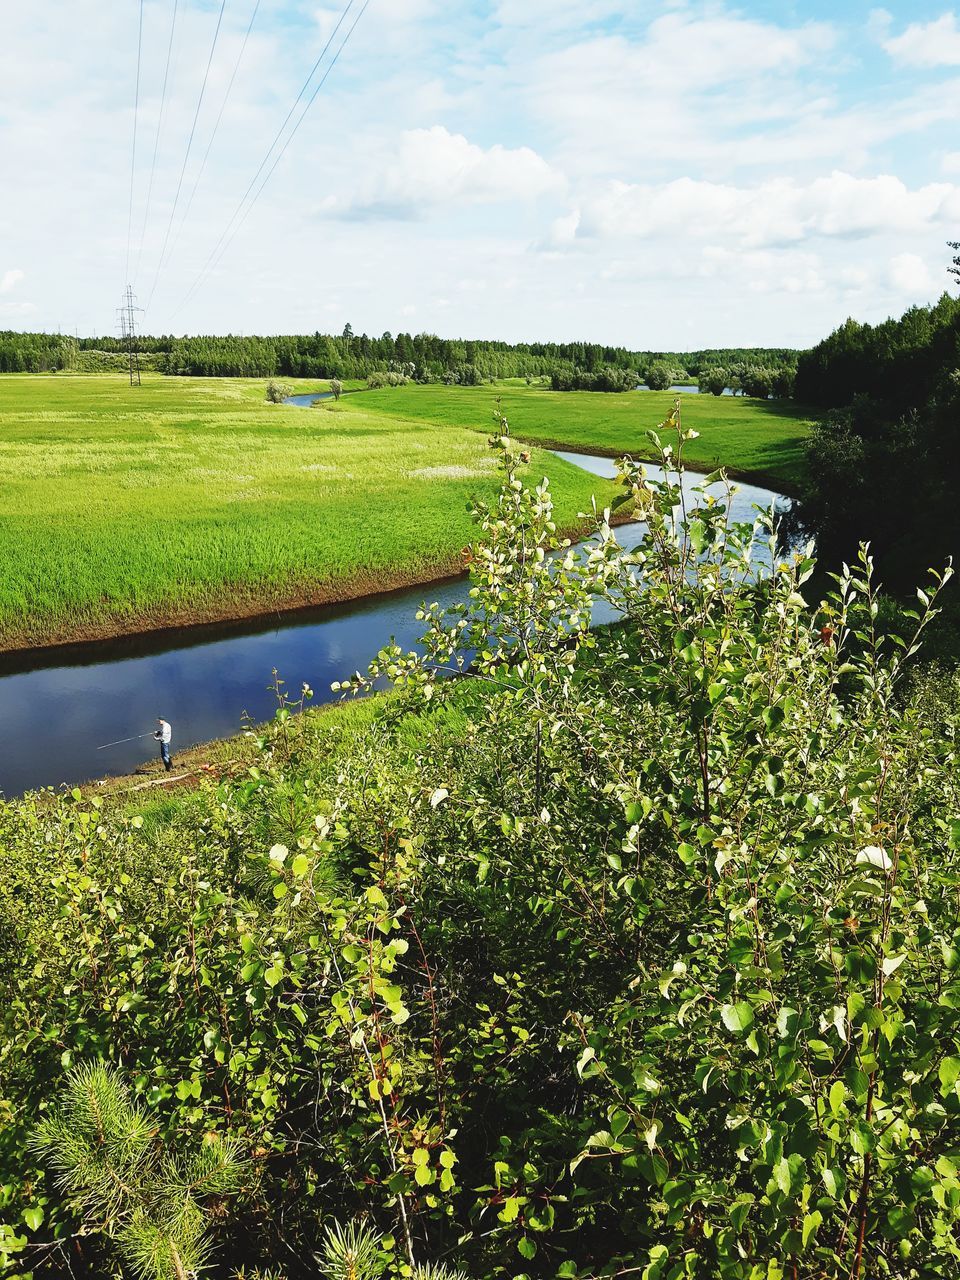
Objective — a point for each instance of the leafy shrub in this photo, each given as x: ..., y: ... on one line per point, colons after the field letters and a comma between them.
x: 277, y: 392
x: 658, y: 376
x: 593, y: 953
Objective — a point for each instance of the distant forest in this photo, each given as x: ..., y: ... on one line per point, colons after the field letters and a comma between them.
x: 884, y: 459
x: 425, y: 357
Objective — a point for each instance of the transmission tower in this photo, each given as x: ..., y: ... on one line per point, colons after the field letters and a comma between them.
x: 128, y: 333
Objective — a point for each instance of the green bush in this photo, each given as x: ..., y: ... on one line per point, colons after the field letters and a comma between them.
x: 587, y: 954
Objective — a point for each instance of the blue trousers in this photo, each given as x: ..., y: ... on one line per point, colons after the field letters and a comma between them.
x: 165, y: 756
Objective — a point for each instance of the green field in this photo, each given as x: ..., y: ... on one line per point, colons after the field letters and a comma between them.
x: 755, y: 439
x: 192, y: 500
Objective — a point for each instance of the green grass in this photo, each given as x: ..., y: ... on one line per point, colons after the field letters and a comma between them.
x: 192, y: 499
x: 759, y: 440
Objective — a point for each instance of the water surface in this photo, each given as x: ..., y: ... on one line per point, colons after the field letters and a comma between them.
x: 54, y: 716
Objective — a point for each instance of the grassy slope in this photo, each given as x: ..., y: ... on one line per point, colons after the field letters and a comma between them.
x: 192, y: 499
x: 754, y: 439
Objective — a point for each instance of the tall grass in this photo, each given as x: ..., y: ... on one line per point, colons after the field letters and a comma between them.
x: 191, y: 499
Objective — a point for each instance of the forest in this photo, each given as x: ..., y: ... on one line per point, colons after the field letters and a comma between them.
x: 882, y: 462
x: 576, y: 365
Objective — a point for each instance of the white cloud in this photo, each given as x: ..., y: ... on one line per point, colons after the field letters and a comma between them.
x: 777, y: 212
x: 17, y: 311
x: 543, y: 15
x: 928, y: 44
x: 672, y: 161
x: 434, y: 169
x: 688, y: 93
x: 10, y: 279
x: 910, y: 275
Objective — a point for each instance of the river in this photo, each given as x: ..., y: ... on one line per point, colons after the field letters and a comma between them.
x: 55, y: 715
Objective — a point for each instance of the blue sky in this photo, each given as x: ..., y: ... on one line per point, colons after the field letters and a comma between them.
x: 663, y: 175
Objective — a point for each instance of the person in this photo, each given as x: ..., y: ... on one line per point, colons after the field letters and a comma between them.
x: 163, y: 734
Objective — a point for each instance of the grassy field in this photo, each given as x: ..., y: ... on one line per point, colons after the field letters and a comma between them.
x: 755, y: 439
x: 191, y: 500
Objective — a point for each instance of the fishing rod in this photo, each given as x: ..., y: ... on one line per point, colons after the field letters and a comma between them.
x: 136, y: 738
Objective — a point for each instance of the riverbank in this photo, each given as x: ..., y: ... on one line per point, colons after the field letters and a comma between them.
x: 192, y: 501
x: 758, y: 441
x: 91, y: 714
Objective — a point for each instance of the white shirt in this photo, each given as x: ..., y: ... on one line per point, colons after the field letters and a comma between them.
x: 164, y: 733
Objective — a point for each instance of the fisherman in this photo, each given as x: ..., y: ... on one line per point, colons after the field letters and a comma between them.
x: 163, y: 733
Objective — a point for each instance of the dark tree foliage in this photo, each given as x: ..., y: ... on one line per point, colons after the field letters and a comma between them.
x: 899, y: 362
x: 883, y: 462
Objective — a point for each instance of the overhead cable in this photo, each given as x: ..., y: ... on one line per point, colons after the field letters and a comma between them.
x: 133, y: 153
x: 156, y: 140
x: 223, y: 105
x: 186, y: 157
x: 241, y: 212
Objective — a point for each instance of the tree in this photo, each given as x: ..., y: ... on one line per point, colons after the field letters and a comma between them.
x: 955, y: 268
x: 106, y: 1155
x: 659, y: 376
x: 277, y: 392
x: 713, y: 380
x: 336, y: 386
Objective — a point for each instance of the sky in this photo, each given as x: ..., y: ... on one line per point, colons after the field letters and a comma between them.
x: 664, y: 176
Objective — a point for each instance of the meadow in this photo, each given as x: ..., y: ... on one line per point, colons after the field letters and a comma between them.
x: 756, y: 440
x: 190, y: 499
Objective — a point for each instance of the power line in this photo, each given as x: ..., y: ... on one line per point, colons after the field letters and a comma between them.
x: 133, y: 154
x: 265, y: 160
x: 156, y: 141
x: 227, y: 239
x: 186, y: 158
x: 223, y: 105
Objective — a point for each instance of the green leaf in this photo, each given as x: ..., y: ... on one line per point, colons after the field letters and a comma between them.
x: 838, y: 1094
x: 949, y: 1074
x: 33, y: 1216
x: 301, y: 865
x: 773, y: 717
x: 782, y: 1175
x: 811, y: 1221
x: 737, y: 1018
x: 527, y: 1247
x: 510, y: 1210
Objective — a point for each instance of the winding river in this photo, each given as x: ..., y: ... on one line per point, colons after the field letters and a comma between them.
x: 55, y: 715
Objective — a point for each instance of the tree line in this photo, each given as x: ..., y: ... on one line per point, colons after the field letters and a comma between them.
x: 427, y: 357
x: 882, y: 462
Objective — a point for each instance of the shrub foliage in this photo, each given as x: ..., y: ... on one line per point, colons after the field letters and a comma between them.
x: 597, y: 954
